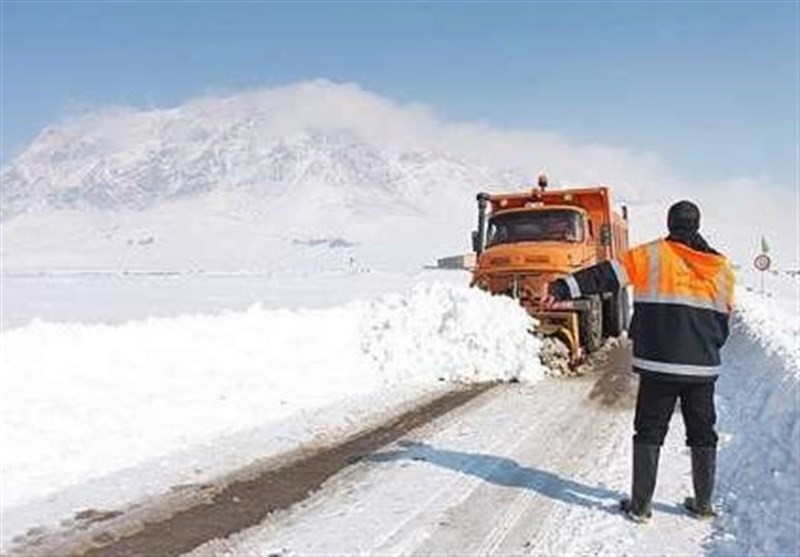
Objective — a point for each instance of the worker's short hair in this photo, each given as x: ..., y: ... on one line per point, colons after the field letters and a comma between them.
x: 683, y: 216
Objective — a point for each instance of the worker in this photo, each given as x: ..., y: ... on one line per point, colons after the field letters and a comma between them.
x: 683, y: 295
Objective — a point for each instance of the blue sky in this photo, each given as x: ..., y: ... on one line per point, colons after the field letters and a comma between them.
x: 710, y: 87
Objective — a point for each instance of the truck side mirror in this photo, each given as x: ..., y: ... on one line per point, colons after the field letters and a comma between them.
x: 476, y: 242
x: 605, y: 235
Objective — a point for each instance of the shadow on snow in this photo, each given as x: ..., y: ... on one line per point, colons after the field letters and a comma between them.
x: 507, y: 472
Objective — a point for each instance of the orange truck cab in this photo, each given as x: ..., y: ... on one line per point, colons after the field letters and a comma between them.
x: 526, y: 240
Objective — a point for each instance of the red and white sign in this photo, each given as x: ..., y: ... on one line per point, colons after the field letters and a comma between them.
x: 762, y: 262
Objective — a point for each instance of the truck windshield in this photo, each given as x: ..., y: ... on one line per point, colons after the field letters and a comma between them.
x: 536, y: 226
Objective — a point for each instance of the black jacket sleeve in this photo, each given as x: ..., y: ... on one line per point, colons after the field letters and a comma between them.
x: 596, y: 279
x: 559, y: 290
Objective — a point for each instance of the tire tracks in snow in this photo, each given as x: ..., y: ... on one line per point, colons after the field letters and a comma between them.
x: 481, y: 479
x: 544, y: 481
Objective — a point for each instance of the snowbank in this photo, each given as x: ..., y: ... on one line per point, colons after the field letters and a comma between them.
x: 759, y: 465
x: 445, y: 332
x: 82, y: 401
x: 773, y: 324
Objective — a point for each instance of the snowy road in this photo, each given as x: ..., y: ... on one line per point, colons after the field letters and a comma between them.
x: 518, y: 470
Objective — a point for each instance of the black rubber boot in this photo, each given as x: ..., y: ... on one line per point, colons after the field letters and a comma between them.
x: 704, y: 468
x: 645, y: 470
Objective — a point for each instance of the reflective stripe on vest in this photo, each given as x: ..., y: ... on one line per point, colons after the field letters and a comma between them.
x: 619, y: 272
x: 691, y: 301
x: 676, y: 369
x: 654, y: 270
x: 574, y: 289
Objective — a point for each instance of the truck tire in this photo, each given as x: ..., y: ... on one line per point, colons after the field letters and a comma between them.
x: 616, y: 310
x: 612, y: 315
x: 594, y: 325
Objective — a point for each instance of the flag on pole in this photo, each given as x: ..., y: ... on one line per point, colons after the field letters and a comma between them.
x: 764, y: 245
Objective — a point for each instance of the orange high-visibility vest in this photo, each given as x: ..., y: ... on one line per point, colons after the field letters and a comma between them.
x: 682, y: 300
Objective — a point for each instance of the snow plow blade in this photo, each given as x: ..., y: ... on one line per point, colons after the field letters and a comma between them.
x: 564, y: 326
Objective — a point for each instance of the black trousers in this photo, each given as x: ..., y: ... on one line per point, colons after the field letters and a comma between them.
x: 655, y: 404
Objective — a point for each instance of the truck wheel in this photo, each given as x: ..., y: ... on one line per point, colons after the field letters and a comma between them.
x: 624, y: 309
x: 594, y: 324
x: 613, y: 315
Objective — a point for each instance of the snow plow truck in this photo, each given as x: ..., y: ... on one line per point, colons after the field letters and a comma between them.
x: 527, y: 239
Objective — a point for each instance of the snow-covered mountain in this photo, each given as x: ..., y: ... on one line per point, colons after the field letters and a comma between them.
x: 135, y: 161
x: 271, y: 179
x: 304, y: 163
x: 265, y: 144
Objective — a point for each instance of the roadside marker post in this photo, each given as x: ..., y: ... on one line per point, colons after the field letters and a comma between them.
x: 762, y: 263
